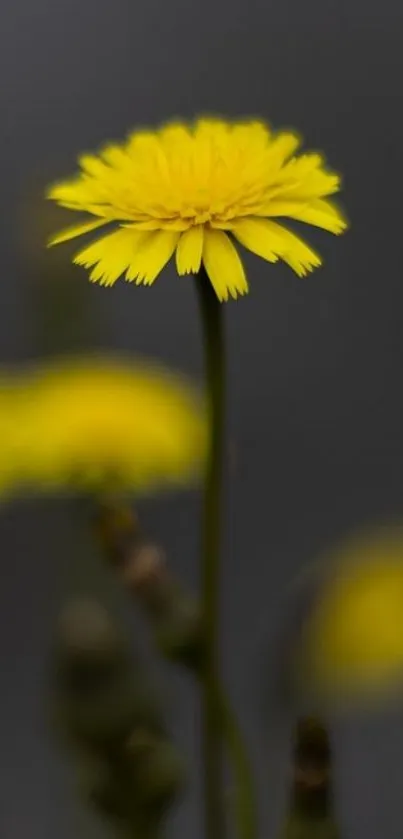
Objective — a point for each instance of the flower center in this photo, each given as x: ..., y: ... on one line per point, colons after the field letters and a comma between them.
x: 198, y: 216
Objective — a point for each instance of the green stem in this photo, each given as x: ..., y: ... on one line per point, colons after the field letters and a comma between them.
x: 212, y: 323
x: 245, y: 803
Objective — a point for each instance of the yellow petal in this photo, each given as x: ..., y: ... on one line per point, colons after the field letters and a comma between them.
x: 149, y: 225
x: 78, y: 191
x: 214, y: 131
x: 317, y: 212
x: 223, y: 265
x: 174, y: 140
x: 282, y: 147
x: 293, y: 250
x: 154, y: 253
x: 111, y: 255
x: 75, y: 230
x: 108, y: 213
x: 246, y: 133
x: 117, y: 157
x: 304, y: 178
x: 189, y: 250
x: 94, y: 166
x: 271, y: 241
x: 175, y: 224
x: 253, y: 234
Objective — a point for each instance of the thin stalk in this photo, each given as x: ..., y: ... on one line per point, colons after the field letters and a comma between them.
x: 244, y: 790
x: 212, y: 324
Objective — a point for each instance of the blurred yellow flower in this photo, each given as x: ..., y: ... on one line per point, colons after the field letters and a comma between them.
x: 353, y: 640
x: 89, y: 423
x: 190, y: 190
x: 12, y: 422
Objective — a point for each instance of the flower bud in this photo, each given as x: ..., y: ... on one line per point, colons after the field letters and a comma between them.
x: 118, y: 530
x: 100, y: 694
x: 173, y: 614
x: 139, y: 783
x: 309, y: 810
x: 157, y: 768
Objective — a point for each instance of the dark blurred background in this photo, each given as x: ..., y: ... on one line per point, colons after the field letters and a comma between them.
x: 315, y: 403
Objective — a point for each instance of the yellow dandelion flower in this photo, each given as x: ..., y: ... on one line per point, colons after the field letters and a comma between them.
x: 353, y: 642
x: 192, y: 190
x: 14, y: 404
x: 92, y: 422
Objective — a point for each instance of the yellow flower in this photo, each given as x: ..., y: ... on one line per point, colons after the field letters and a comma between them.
x: 96, y: 422
x: 193, y: 190
x: 353, y: 641
x: 12, y: 421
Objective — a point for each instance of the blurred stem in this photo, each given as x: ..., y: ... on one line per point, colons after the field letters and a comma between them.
x: 212, y: 324
x: 245, y: 804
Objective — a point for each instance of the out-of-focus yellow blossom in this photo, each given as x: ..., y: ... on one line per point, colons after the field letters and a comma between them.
x: 11, y: 419
x: 191, y: 190
x: 95, y: 422
x: 352, y: 642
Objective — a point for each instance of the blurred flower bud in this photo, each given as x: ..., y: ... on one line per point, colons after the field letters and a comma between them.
x: 87, y: 634
x: 309, y: 810
x: 174, y: 615
x: 99, y: 692
x: 139, y: 784
x: 311, y: 765
x: 118, y: 529
x: 94, y: 785
x: 157, y: 768
x: 114, y: 797
x: 105, y: 796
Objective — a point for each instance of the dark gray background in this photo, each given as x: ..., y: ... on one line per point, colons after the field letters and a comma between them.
x: 315, y: 366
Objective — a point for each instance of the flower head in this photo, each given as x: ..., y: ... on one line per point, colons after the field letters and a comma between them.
x: 352, y: 642
x: 93, y: 422
x: 12, y: 423
x: 191, y: 191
